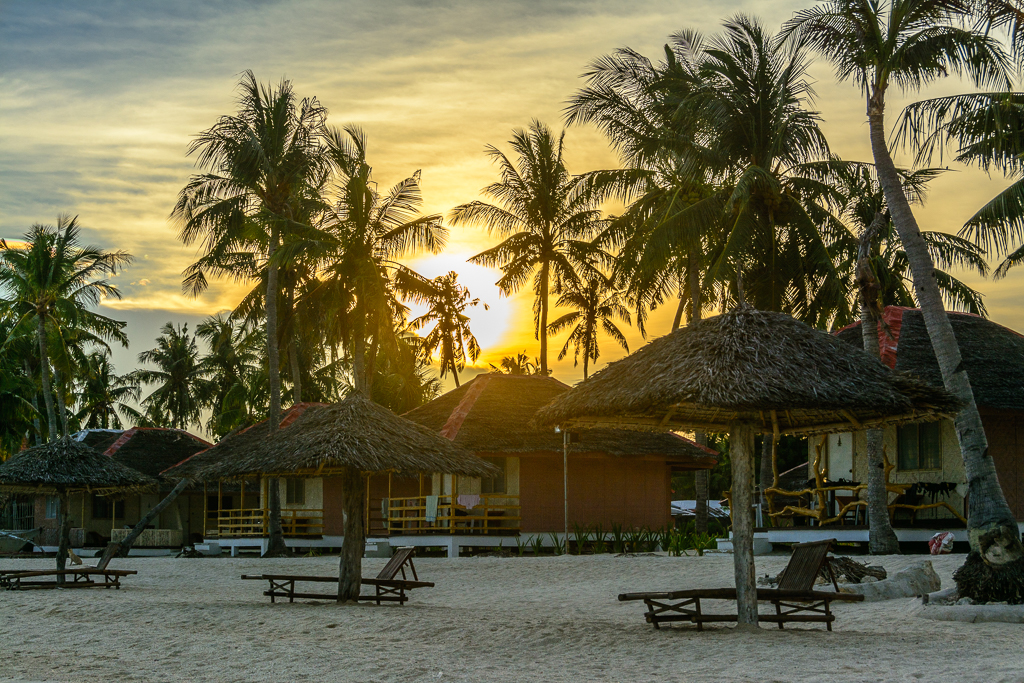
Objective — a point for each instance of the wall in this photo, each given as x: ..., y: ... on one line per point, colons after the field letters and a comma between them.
x: 1006, y: 444
x: 602, y: 490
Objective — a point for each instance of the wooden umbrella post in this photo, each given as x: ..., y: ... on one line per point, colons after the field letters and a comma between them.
x: 741, y: 446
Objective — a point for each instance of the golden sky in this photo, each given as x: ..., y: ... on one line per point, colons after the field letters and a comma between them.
x: 99, y: 100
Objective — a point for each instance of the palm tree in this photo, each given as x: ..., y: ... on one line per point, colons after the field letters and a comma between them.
x: 260, y: 167
x: 518, y: 365
x: 911, y: 43
x: 597, y: 304
x: 232, y: 363
x: 103, y: 395
x: 52, y: 281
x: 542, y: 215
x: 360, y: 241
x: 16, y: 386
x: 450, y: 337
x: 180, y: 377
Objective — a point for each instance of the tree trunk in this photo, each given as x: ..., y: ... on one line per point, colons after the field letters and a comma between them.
x: 35, y: 405
x: 586, y: 357
x: 991, y: 527
x: 678, y: 319
x: 126, y: 544
x: 62, y: 408
x: 881, y: 538
x: 741, y: 446
x: 700, y: 477
x: 295, y: 371
x: 44, y: 366
x: 359, y: 355
x: 64, y: 534
x: 350, y: 575
x: 276, y: 546
x: 542, y: 329
x: 767, y: 474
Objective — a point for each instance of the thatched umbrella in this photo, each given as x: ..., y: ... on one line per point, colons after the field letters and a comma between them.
x: 63, y: 467
x: 743, y: 372
x: 348, y: 440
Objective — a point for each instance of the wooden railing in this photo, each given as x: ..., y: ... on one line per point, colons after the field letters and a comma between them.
x: 496, y: 513
x: 254, y: 522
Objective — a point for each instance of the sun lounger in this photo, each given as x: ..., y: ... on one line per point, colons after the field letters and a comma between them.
x: 795, y: 599
x: 77, y: 577
x: 387, y: 587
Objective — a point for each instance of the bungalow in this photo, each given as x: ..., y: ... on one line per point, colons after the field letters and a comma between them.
x: 925, y: 456
x: 98, y: 519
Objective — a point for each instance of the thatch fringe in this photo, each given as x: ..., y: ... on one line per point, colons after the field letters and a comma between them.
x: 68, y: 465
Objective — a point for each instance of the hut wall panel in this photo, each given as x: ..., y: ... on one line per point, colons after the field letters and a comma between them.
x: 334, y: 518
x: 602, y: 490
x: 1006, y: 444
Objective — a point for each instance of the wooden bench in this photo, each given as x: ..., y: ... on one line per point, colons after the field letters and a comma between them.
x: 80, y: 577
x: 795, y: 599
x: 387, y: 587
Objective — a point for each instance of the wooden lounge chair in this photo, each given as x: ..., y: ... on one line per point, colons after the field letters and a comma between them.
x: 387, y: 586
x: 76, y: 577
x: 795, y: 599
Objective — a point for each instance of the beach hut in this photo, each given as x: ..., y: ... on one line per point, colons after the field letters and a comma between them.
x: 614, y: 477
x: 63, y: 467
x: 743, y: 372
x: 926, y: 455
x: 345, y: 442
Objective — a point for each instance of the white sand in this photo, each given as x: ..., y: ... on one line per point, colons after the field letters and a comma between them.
x: 488, y: 619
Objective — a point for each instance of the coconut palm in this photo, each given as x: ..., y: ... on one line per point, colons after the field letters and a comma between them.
x: 450, y: 337
x: 103, y: 395
x: 543, y: 217
x: 909, y: 44
x: 179, y: 376
x: 363, y: 236
x: 597, y: 304
x: 52, y: 282
x: 234, y: 361
x: 17, y: 388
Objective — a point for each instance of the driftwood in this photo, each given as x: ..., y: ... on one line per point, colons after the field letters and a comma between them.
x: 854, y: 572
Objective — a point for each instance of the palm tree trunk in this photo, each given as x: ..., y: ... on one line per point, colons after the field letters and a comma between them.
x: 350, y: 575
x: 44, y: 366
x: 992, y: 529
x: 35, y: 405
x: 276, y: 546
x: 62, y: 408
x: 64, y: 534
x: 767, y: 474
x: 542, y: 329
x: 294, y: 370
x: 881, y: 538
x: 700, y: 477
x: 129, y: 540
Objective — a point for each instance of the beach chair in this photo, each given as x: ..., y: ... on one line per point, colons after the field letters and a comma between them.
x: 99, y: 576
x: 795, y: 599
x: 387, y: 586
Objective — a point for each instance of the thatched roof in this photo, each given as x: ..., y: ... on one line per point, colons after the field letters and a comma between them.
x: 149, y: 450
x: 748, y: 366
x: 234, y: 446
x: 992, y: 354
x: 68, y: 465
x: 493, y: 414
x: 354, y: 433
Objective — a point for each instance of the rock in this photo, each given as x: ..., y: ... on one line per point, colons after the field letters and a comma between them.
x: 869, y: 579
x: 965, y: 601
x: 917, y: 579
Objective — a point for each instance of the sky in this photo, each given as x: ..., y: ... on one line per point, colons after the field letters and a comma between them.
x: 99, y: 101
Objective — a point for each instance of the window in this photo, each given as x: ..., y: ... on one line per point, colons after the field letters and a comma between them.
x: 104, y: 508
x: 494, y: 484
x: 295, y: 492
x: 919, y: 446
x: 52, y: 507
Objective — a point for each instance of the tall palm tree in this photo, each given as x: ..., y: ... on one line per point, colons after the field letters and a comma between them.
x: 52, y: 282
x: 179, y: 376
x: 362, y: 238
x: 597, y: 304
x: 544, y: 218
x: 16, y: 387
x: 232, y: 363
x: 909, y: 44
x: 103, y: 395
x: 260, y: 168
x: 450, y: 338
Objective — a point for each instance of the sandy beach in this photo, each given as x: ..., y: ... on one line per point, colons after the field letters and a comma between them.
x: 488, y: 619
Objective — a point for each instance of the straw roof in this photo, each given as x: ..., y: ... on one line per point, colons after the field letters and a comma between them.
x: 149, y: 450
x: 993, y: 355
x: 354, y: 433
x: 493, y: 413
x: 68, y: 465
x: 748, y: 366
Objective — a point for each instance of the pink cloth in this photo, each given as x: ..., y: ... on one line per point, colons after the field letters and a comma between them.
x: 468, y: 500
